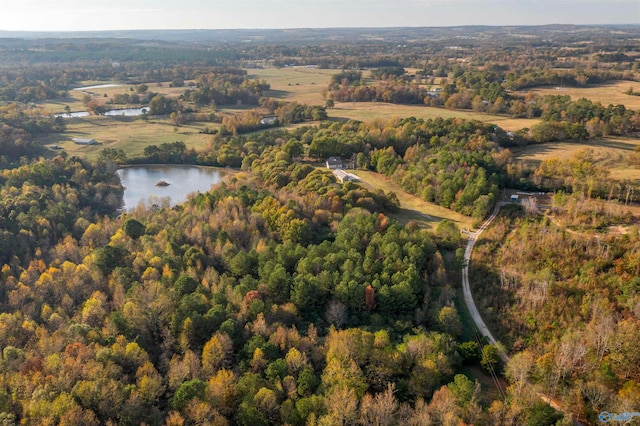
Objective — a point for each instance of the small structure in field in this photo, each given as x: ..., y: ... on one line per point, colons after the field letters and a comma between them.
x: 333, y: 163
x: 269, y: 120
x: 84, y: 141
x: 435, y: 92
x: 514, y: 199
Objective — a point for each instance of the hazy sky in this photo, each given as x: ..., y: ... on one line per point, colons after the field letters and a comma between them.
x: 69, y: 15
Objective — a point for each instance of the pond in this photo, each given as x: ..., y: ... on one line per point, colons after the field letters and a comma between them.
x: 73, y: 114
x: 99, y: 86
x: 165, y: 181
x: 129, y: 112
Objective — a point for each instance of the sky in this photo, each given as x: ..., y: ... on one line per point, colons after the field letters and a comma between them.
x: 86, y: 15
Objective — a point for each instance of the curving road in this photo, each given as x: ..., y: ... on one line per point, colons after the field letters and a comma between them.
x: 473, y: 310
x: 468, y: 297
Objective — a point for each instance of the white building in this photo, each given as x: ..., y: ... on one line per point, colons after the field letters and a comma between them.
x: 334, y: 163
x: 343, y: 176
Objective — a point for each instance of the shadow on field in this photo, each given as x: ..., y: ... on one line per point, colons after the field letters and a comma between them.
x: 406, y: 215
x: 88, y: 120
x: 124, y: 118
x: 272, y: 93
x: 615, y: 144
x: 62, y: 101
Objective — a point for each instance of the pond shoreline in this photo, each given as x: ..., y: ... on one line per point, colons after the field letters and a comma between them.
x: 141, y: 182
x: 204, y: 166
x: 117, y: 112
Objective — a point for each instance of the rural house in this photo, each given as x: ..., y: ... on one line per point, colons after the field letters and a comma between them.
x: 334, y: 163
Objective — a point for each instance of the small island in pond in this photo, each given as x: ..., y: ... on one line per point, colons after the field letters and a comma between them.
x: 163, y: 183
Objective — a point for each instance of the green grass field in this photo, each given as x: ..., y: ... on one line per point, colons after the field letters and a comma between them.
x: 130, y: 134
x: 56, y: 106
x: 612, y: 153
x: 413, y: 208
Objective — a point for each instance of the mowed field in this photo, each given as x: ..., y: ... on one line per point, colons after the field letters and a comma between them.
x: 413, y: 208
x: 612, y: 153
x: 295, y: 84
x: 608, y: 93
x: 130, y: 134
x: 369, y: 111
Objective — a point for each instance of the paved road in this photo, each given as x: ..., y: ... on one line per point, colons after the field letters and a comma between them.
x: 468, y: 297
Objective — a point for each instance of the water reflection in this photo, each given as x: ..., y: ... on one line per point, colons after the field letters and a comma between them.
x: 129, y: 112
x: 142, y: 182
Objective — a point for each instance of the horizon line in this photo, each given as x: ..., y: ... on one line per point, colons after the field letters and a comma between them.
x: 631, y: 24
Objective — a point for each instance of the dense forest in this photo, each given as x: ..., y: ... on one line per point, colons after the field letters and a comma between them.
x: 274, y: 298
x: 259, y: 302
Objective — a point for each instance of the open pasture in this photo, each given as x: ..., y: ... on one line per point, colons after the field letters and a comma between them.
x: 295, y: 84
x: 369, y: 111
x: 161, y: 88
x: 299, y: 84
x: 131, y: 135
x: 608, y: 93
x: 612, y: 153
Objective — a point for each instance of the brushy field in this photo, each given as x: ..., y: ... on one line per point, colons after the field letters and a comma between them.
x: 608, y: 93
x: 130, y: 134
x: 413, y: 208
x: 612, y: 152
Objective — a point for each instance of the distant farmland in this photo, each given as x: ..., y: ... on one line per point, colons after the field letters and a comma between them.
x: 306, y: 85
x: 608, y: 93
